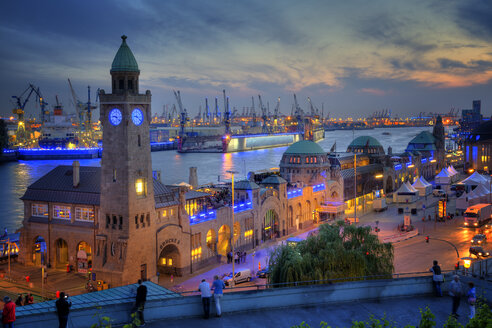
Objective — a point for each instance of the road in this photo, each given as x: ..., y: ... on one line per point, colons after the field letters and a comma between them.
x: 412, y: 255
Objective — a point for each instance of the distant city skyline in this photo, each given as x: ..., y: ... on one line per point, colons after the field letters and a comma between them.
x: 355, y: 57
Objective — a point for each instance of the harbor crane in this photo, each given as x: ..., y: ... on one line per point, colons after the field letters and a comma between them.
x: 253, y: 111
x: 207, y: 109
x: 183, y: 114
x: 314, y: 109
x: 227, y: 113
x: 83, y: 110
x: 264, y: 116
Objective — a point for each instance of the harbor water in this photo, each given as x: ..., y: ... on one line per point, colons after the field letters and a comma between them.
x: 15, y: 177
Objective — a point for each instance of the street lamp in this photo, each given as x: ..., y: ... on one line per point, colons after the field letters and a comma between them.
x: 232, y: 243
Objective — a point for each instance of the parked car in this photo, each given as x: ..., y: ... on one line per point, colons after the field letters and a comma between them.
x: 478, y: 251
x: 439, y: 193
x: 240, y: 276
x: 479, y: 239
x: 263, y: 273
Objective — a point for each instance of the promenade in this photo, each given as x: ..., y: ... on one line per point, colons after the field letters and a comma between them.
x: 403, y: 311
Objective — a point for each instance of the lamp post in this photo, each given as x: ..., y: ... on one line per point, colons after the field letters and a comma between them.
x: 232, y: 239
x: 355, y: 187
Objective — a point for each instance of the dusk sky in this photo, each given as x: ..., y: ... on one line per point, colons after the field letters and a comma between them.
x: 356, y: 57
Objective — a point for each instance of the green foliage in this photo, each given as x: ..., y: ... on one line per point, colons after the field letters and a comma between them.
x: 374, y: 323
x: 427, y: 318
x: 102, y: 321
x: 4, y: 138
x: 336, y: 252
x: 135, y: 321
x: 452, y: 323
x: 483, y: 316
x: 303, y: 324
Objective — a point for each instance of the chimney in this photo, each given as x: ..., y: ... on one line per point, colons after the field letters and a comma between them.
x: 76, y: 173
x: 193, y: 181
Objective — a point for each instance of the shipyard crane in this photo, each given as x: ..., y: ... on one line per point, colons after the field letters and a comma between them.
x: 19, y: 111
x: 253, y: 111
x: 183, y: 115
x: 227, y: 113
x: 207, y: 110
x: 41, y: 101
x: 172, y: 114
x: 264, y: 116
x: 198, y: 117
x: 314, y: 109
x: 299, y: 115
x: 217, y: 113
x: 83, y: 110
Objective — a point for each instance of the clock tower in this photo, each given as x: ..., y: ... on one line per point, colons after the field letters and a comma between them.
x: 125, y: 239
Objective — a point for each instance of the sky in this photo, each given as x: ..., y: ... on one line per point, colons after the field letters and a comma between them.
x: 352, y: 57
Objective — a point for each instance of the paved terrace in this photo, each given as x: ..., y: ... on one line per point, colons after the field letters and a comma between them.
x: 336, y: 303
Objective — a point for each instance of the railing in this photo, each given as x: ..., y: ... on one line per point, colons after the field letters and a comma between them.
x: 178, y: 288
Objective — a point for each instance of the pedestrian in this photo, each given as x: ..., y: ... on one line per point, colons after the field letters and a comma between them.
x: 236, y: 257
x: 437, y: 278
x: 8, y: 313
x: 244, y: 257
x: 28, y: 299
x: 19, y: 301
x: 140, y: 301
x: 229, y: 256
x: 63, y: 305
x: 455, y: 291
x: 218, y: 287
x: 204, y: 288
x: 472, y: 299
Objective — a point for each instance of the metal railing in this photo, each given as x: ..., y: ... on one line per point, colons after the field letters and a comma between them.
x: 314, y: 282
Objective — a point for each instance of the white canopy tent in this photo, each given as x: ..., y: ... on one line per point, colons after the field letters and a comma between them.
x: 423, y: 187
x: 405, y: 194
x: 443, y: 178
x: 462, y: 202
x: 474, y: 180
x: 484, y: 193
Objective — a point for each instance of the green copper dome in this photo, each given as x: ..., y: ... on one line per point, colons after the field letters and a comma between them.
x: 364, y: 141
x: 305, y: 147
x: 124, y: 61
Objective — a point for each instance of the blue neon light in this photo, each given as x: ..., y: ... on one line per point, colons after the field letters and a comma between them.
x: 294, y: 193
x: 243, y: 207
x: 424, y: 160
x: 398, y: 167
x: 409, y: 163
x: 162, y: 143
x: 319, y: 187
x: 203, y: 217
x: 263, y: 135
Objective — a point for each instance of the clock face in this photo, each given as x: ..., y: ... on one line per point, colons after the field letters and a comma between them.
x: 137, y: 116
x: 115, y: 116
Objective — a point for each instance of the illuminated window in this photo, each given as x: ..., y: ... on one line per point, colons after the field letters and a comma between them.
x: 169, y: 262
x: 141, y: 187
x: 61, y: 212
x: 84, y: 214
x: 196, y: 254
x: 164, y: 213
x: 39, y: 210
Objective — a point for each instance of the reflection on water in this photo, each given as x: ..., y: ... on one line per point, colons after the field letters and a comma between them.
x: 174, y: 167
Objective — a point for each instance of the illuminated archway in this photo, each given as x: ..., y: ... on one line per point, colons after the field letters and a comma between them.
x: 211, y: 240
x: 61, y: 247
x: 169, y: 260
x: 271, y: 227
x: 39, y: 251
x: 84, y: 257
x: 224, y: 240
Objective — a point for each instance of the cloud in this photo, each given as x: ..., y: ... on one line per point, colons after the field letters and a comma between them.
x: 475, y: 18
x: 372, y: 91
x: 446, y: 63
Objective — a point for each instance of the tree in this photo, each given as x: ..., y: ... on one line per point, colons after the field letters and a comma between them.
x: 336, y: 252
x: 4, y: 137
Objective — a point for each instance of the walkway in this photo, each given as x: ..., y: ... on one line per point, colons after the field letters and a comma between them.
x: 401, y: 310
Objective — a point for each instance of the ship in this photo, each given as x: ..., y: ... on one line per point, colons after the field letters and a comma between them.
x: 228, y: 143
x: 57, y: 131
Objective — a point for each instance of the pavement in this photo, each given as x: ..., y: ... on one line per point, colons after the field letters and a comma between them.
x: 402, y: 311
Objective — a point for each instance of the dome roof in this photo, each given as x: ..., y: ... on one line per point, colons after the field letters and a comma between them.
x: 124, y: 61
x: 245, y: 185
x: 482, y: 132
x: 273, y: 179
x: 305, y: 147
x: 364, y: 141
x: 424, y: 137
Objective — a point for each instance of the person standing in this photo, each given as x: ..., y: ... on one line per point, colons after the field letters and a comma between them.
x: 472, y: 299
x: 455, y: 291
x: 204, y: 288
x: 63, y: 305
x: 8, y: 314
x: 218, y: 287
x: 437, y: 278
x: 140, y: 301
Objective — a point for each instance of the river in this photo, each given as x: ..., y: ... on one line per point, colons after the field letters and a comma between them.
x: 15, y: 177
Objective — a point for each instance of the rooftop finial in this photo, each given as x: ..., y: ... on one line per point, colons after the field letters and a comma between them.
x: 123, y: 37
